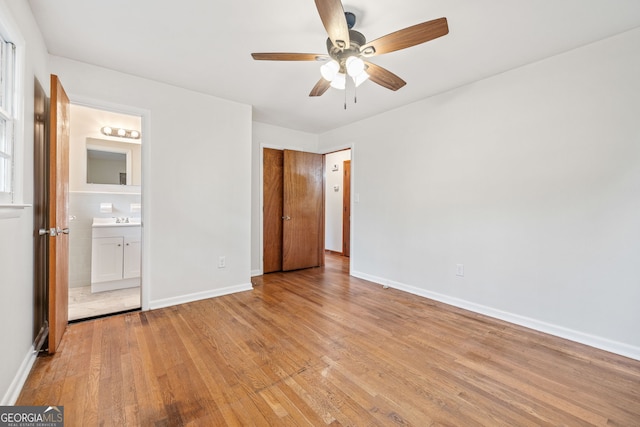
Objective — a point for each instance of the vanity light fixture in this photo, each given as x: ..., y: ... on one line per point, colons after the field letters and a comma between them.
x: 120, y: 132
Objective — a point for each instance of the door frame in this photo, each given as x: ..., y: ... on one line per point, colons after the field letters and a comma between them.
x: 41, y: 156
x: 351, y: 146
x: 145, y: 154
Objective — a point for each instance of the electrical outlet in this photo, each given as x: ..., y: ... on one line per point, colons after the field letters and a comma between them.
x: 460, y: 270
x: 222, y: 262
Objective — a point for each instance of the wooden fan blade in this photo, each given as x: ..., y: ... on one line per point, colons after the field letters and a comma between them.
x: 283, y: 56
x: 334, y: 21
x: 320, y: 87
x: 407, y: 37
x: 384, y: 77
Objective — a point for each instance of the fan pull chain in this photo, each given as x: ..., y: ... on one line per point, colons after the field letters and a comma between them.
x: 345, y: 95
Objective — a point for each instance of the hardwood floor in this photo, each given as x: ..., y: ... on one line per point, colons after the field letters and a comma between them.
x: 317, y: 347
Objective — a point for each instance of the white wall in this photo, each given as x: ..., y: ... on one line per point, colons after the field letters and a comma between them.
x: 531, y: 179
x: 16, y: 234
x: 270, y: 136
x: 196, y: 182
x: 334, y: 199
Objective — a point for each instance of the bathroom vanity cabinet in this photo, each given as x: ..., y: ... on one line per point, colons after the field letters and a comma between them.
x: 115, y: 257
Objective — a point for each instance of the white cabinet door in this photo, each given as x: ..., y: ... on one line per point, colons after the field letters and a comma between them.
x: 131, y: 257
x: 106, y: 260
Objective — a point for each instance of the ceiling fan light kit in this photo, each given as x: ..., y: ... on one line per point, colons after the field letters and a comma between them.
x: 339, y: 81
x: 330, y: 69
x: 355, y: 66
x: 346, y: 49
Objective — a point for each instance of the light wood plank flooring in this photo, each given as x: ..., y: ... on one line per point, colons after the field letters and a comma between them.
x: 84, y: 304
x: 317, y: 347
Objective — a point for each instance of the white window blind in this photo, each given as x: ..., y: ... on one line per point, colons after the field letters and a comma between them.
x: 7, y: 119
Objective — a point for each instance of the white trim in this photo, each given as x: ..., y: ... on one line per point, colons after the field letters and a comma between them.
x: 255, y: 273
x: 12, y: 211
x: 12, y: 394
x: 601, y: 343
x: 183, y: 299
x: 113, y: 285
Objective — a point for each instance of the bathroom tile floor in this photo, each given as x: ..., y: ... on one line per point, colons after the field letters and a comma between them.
x: 84, y: 304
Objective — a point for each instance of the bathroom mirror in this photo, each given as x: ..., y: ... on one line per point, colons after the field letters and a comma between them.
x: 107, y: 167
x: 112, y: 162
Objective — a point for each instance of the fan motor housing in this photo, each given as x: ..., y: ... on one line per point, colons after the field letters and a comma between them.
x: 356, y: 40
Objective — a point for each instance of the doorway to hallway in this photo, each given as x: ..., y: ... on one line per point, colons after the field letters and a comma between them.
x: 338, y: 202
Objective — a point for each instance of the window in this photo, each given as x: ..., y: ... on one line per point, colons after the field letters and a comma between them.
x: 7, y: 120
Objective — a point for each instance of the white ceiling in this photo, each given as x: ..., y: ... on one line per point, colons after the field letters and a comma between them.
x: 205, y: 45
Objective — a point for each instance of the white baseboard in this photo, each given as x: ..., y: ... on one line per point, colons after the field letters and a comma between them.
x: 182, y: 299
x: 11, y: 396
x: 601, y: 343
x: 115, y: 285
x: 255, y: 273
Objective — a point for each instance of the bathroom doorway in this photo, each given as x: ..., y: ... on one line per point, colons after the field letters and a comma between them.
x: 105, y: 212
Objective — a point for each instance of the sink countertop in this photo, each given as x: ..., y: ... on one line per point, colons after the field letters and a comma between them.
x: 113, y: 222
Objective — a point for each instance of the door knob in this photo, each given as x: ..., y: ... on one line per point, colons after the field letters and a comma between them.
x: 286, y: 218
x: 53, y: 232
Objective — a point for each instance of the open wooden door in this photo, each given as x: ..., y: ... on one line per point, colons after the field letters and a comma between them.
x: 346, y: 209
x: 58, y: 214
x: 303, y: 210
x: 273, y: 173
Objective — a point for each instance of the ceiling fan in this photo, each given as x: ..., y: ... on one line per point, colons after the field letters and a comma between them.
x: 346, y: 49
